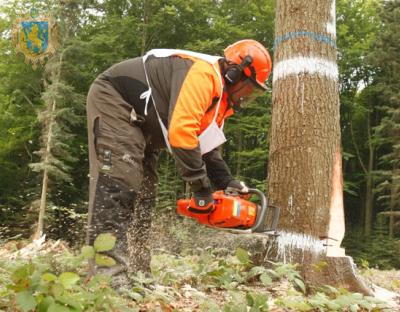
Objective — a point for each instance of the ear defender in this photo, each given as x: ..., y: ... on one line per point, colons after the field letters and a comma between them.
x: 235, y: 72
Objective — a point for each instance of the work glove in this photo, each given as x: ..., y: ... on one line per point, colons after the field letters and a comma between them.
x: 237, y: 186
x: 202, y: 201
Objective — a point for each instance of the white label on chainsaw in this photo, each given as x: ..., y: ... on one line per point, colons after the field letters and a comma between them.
x: 236, y: 208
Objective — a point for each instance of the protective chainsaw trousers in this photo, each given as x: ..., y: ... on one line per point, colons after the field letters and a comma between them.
x: 123, y: 178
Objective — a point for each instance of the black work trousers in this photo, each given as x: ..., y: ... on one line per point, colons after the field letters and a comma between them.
x: 123, y: 177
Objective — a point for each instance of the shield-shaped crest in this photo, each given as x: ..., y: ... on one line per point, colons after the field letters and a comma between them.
x: 34, y: 37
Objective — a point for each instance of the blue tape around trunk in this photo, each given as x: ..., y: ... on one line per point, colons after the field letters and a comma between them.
x: 315, y: 36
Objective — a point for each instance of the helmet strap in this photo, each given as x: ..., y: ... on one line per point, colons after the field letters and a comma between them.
x: 236, y: 107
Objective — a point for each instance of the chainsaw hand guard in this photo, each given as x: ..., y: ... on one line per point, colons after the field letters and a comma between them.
x: 237, y: 186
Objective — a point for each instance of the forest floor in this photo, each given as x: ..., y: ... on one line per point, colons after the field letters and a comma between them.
x: 49, y: 276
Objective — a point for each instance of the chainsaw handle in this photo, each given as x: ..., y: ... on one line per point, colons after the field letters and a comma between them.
x: 259, y: 225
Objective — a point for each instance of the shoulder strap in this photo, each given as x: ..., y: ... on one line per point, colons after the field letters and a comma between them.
x: 213, y: 103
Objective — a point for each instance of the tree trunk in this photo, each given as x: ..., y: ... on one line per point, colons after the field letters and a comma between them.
x: 391, y: 207
x: 369, y: 195
x: 239, y: 157
x: 42, y: 208
x: 48, y: 138
x: 390, y: 213
x: 364, y: 169
x: 145, y: 25
x: 43, y: 198
x: 305, y: 164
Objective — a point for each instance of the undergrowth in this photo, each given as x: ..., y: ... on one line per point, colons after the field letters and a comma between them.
x: 207, y: 280
x: 377, y: 251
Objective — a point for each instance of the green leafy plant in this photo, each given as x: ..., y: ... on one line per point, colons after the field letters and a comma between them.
x: 103, y: 242
x: 36, y: 286
x: 288, y: 271
x: 257, y: 302
x: 43, y: 285
x: 328, y: 300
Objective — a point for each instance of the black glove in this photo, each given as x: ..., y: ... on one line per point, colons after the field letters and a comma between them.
x: 202, y: 201
x: 237, y: 186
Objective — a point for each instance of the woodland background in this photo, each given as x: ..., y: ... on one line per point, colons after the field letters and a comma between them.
x: 93, y: 35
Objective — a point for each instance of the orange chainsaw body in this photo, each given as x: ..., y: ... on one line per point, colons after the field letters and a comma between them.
x: 230, y: 211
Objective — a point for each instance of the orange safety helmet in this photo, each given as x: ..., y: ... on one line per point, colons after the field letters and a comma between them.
x: 252, y: 59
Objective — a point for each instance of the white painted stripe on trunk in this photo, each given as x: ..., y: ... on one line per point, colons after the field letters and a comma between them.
x: 331, y: 25
x: 305, y: 65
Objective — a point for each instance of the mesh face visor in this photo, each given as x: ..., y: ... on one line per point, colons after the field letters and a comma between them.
x: 245, y: 91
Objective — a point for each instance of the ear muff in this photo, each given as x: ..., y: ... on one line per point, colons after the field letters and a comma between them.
x: 235, y: 72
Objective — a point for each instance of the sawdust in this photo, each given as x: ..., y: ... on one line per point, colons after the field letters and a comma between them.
x: 16, y: 249
x: 139, y: 231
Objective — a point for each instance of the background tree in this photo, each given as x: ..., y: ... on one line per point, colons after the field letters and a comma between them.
x: 20, y: 91
x: 58, y: 117
x: 358, y: 28
x: 369, y: 128
x: 386, y: 91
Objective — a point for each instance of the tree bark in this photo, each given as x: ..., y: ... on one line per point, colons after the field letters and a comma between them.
x: 45, y: 181
x: 145, y: 26
x: 369, y: 195
x: 305, y: 164
x: 392, y: 206
x: 390, y: 213
x: 239, y: 157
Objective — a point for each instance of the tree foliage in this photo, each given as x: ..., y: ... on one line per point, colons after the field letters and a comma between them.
x: 385, y: 58
x: 95, y: 34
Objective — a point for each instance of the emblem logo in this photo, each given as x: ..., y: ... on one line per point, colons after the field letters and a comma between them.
x: 34, y: 37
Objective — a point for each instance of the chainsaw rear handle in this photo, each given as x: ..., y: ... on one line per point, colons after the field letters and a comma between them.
x: 260, y: 226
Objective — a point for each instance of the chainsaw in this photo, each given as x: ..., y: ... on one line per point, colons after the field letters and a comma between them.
x: 234, y: 213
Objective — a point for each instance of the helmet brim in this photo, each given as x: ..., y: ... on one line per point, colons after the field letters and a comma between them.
x: 258, y: 84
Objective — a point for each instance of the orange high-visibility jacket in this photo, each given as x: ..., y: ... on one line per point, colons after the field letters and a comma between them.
x: 185, y: 90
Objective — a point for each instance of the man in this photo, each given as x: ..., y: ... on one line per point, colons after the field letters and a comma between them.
x: 167, y: 98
